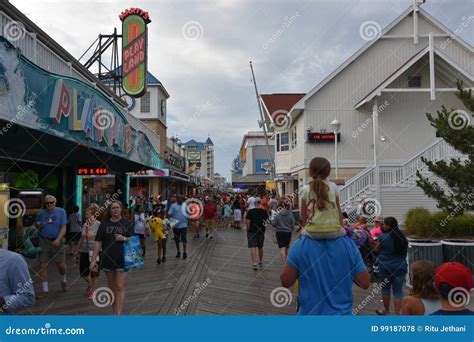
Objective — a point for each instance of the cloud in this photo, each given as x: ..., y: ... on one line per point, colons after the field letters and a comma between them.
x: 293, y: 46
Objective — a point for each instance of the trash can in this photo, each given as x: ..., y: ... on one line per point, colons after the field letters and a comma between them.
x: 459, y: 250
x: 4, y: 237
x: 429, y: 250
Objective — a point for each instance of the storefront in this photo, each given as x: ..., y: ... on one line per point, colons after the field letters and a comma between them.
x: 63, y: 136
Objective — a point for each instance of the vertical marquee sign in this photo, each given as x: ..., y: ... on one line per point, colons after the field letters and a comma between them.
x: 134, y: 51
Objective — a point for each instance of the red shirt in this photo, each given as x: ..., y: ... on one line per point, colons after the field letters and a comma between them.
x: 210, y: 210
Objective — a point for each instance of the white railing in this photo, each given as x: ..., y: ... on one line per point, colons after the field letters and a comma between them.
x: 41, y: 55
x: 395, y: 175
x: 357, y: 185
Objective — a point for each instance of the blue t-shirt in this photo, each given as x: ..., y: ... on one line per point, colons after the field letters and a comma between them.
x: 326, y: 272
x: 389, y: 261
x: 177, y: 213
x: 51, y: 222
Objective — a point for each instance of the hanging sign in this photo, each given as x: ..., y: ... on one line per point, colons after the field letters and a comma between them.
x: 134, y: 51
x: 323, y: 137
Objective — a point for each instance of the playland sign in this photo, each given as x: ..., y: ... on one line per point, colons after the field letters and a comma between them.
x: 134, y: 51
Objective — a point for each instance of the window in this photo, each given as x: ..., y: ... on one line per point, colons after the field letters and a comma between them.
x: 294, y: 140
x: 414, y: 81
x: 145, y: 103
x: 283, y: 143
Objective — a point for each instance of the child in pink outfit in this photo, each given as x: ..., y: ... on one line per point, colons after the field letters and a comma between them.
x: 377, y: 230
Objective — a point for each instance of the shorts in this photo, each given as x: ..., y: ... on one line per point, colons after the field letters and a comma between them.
x: 141, y: 236
x: 255, y: 239
x: 50, y: 253
x: 393, y: 282
x: 237, y: 215
x: 180, y: 234
x: 73, y: 237
x: 84, y: 264
x: 283, y: 239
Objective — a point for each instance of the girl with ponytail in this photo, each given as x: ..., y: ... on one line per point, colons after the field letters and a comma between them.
x: 320, y: 212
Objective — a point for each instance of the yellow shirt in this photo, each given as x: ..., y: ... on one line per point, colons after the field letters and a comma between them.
x: 156, y: 225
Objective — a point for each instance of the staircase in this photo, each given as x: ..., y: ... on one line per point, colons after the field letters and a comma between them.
x: 398, y: 190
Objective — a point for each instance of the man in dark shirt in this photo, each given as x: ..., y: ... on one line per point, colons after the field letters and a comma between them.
x: 257, y: 219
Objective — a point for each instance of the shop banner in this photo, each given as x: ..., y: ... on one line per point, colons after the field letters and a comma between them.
x: 230, y: 328
x: 194, y: 157
x: 67, y: 108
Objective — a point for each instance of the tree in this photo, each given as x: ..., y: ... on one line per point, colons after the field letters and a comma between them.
x: 455, y: 128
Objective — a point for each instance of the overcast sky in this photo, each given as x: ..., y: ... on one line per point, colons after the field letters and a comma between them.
x: 200, y: 50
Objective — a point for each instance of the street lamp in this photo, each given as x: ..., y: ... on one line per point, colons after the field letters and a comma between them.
x: 336, y: 126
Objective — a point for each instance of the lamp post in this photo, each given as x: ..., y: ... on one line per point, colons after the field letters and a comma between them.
x: 336, y: 126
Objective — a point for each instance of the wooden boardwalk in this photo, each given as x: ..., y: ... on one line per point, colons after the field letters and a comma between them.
x: 216, y: 279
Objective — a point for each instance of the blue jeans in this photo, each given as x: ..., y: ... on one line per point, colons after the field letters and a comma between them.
x: 392, y: 283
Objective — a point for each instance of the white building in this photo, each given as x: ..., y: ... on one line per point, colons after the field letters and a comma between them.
x: 380, y: 95
x: 201, y: 158
x: 251, y: 167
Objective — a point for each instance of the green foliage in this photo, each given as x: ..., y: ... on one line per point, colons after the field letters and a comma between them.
x: 458, y: 175
x: 421, y: 223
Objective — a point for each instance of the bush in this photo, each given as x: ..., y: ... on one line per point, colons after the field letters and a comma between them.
x: 421, y: 223
x: 416, y: 220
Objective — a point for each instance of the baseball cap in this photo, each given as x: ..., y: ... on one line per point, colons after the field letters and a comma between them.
x: 454, y: 274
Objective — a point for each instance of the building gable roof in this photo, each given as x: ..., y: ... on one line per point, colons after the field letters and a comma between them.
x: 209, y: 141
x: 300, y: 104
x: 280, y: 102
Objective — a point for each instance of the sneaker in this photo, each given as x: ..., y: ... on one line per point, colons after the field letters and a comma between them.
x: 185, y: 255
x: 260, y: 264
x: 158, y: 261
x: 178, y: 255
x: 207, y: 235
x: 42, y: 295
x: 254, y: 267
x: 64, y: 286
x: 210, y: 236
x: 163, y: 259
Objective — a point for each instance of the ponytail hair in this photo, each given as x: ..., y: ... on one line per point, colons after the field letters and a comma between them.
x: 400, y: 242
x: 319, y: 169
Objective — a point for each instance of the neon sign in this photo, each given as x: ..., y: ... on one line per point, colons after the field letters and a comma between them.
x: 87, y: 171
x: 323, y: 137
x: 134, y: 51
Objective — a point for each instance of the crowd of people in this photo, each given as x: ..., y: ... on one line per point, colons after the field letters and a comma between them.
x: 327, y: 256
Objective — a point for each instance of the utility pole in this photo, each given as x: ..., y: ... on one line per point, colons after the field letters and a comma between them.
x: 270, y: 159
